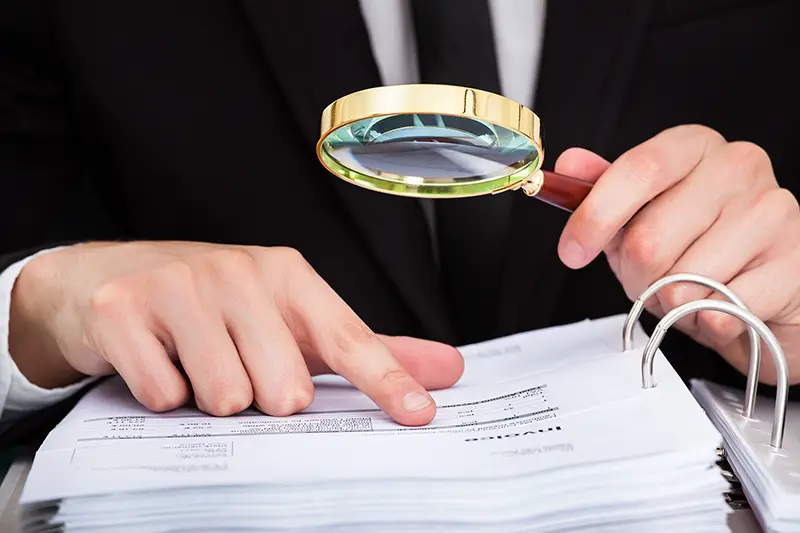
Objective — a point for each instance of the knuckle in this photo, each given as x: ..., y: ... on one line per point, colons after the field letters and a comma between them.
x: 676, y: 295
x: 110, y: 300
x: 288, y: 257
x: 703, y: 132
x: 718, y: 324
x: 640, y: 248
x: 175, y: 276
x: 303, y: 397
x: 225, y: 400
x: 286, y: 265
x: 783, y: 201
x: 746, y: 157
x: 392, y: 376
x: 159, y: 399
x: 646, y: 164
x: 352, y: 335
x: 233, y: 265
x: 289, y: 402
x: 595, y: 220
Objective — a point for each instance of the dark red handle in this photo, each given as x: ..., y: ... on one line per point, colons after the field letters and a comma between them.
x: 563, y: 191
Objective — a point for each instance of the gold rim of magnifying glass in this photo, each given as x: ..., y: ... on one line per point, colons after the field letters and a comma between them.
x: 442, y: 100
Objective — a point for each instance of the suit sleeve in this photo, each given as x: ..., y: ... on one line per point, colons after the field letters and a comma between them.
x: 40, y: 172
x: 39, y: 161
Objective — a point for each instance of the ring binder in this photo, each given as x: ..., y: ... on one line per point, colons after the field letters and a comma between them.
x: 760, y: 466
x: 782, y: 396
x: 684, y: 277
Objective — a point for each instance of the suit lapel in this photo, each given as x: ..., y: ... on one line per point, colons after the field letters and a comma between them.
x: 318, y: 54
x: 588, y: 55
x: 587, y: 58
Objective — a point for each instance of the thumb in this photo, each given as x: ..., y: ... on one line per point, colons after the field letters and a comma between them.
x: 584, y: 165
x: 581, y: 164
x: 434, y: 365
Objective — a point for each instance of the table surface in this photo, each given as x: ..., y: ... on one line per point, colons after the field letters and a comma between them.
x: 15, y: 465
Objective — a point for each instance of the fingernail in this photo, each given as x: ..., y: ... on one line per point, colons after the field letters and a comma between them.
x: 573, y: 254
x: 414, y: 401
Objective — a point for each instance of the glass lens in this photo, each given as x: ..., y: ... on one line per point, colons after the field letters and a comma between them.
x: 439, y: 153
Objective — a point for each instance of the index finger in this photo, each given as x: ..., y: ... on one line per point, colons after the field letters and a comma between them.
x: 635, y: 178
x: 350, y: 349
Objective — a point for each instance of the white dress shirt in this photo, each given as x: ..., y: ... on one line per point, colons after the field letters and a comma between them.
x: 518, y: 30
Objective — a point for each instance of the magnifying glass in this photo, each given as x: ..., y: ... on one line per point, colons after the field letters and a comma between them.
x: 440, y: 141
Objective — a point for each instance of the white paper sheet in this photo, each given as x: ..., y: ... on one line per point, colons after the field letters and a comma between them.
x: 542, y: 402
x: 547, y: 430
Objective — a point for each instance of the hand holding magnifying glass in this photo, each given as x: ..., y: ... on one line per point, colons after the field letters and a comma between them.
x: 685, y: 200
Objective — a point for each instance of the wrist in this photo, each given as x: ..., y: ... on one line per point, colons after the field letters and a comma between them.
x: 31, y: 343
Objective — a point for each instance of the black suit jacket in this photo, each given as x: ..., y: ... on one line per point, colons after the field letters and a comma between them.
x: 197, y: 121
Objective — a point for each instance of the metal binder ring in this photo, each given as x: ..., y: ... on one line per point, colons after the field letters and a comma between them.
x: 779, y: 417
x: 755, y: 346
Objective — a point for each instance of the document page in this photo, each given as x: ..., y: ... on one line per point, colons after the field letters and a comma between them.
x: 538, y: 402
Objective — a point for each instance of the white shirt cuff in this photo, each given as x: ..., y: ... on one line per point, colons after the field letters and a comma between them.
x: 17, y: 394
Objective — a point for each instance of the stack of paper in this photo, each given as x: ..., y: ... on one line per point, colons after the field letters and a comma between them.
x: 547, y: 431
x: 770, y: 477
